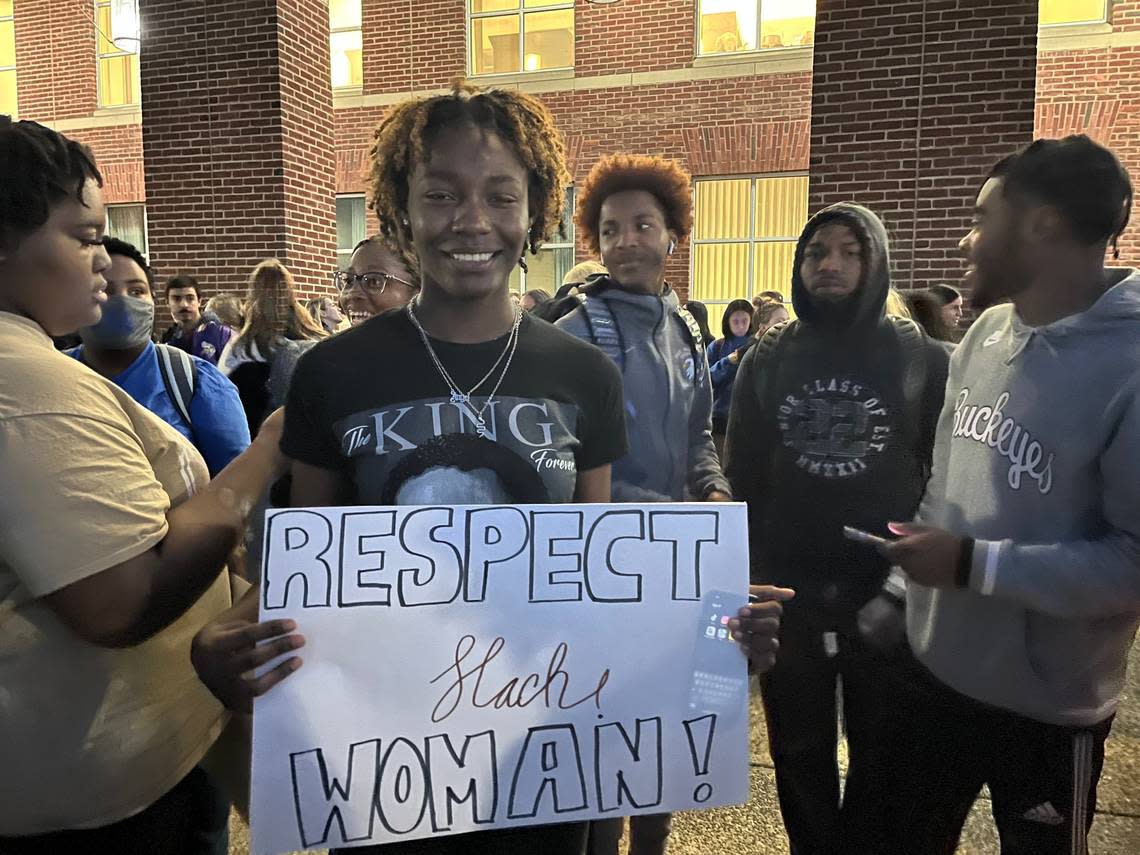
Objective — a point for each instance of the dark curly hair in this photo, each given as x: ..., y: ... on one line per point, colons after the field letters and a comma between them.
x: 405, y: 136
x: 40, y: 168
x: 666, y: 180
x: 114, y: 246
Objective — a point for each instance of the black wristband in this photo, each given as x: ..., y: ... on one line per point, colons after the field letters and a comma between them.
x: 965, y: 563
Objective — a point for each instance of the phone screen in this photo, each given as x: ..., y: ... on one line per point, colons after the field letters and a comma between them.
x: 719, y: 682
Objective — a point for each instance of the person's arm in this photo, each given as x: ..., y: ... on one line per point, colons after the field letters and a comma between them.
x: 706, y: 479
x: 317, y: 487
x: 593, y: 486
x: 221, y: 431
x: 131, y: 601
x: 1079, y: 579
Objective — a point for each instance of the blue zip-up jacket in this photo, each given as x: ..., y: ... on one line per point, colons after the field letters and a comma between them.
x: 723, y: 372
x: 668, y: 401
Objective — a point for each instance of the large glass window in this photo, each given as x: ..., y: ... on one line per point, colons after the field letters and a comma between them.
x: 118, y: 72
x: 512, y: 36
x: 128, y: 222
x: 350, y: 227
x: 727, y: 26
x: 1053, y: 12
x: 346, y: 44
x: 553, y: 261
x: 744, y: 235
x: 8, y: 100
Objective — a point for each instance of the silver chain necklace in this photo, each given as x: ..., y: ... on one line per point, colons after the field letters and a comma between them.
x: 459, y: 397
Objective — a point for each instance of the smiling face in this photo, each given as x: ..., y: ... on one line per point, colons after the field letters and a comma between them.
x: 634, y: 240
x: 952, y: 312
x: 55, y: 274
x: 832, y: 267
x: 995, y: 248
x: 360, y: 303
x: 468, y: 213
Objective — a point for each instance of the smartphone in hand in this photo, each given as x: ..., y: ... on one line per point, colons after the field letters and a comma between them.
x: 865, y: 537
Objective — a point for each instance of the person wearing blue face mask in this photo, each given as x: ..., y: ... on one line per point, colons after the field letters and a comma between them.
x: 188, y: 393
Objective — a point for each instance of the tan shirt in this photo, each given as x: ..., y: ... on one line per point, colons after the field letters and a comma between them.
x: 88, y: 735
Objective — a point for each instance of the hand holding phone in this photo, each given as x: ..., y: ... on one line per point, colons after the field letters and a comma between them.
x: 865, y: 537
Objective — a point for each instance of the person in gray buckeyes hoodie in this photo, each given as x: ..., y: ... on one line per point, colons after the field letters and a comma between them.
x: 1023, y: 566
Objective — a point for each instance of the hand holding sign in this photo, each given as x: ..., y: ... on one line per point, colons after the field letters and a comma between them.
x: 476, y: 667
x: 227, y: 651
x: 757, y: 627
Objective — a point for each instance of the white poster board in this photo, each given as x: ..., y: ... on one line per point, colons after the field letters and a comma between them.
x: 477, y: 667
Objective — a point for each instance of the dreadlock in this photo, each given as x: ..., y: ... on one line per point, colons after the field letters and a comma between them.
x: 404, y: 139
x: 40, y: 168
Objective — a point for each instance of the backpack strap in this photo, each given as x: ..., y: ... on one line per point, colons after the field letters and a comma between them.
x: 696, y: 340
x: 912, y: 345
x: 767, y: 349
x: 179, y: 376
x: 604, y: 330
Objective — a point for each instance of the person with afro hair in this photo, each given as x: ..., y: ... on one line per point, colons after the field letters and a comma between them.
x: 633, y: 211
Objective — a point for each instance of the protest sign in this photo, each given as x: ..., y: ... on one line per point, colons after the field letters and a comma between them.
x: 477, y: 667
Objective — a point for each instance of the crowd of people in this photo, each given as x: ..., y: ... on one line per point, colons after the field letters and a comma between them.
x: 943, y: 526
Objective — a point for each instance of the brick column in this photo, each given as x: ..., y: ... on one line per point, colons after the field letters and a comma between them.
x: 237, y: 139
x: 912, y: 102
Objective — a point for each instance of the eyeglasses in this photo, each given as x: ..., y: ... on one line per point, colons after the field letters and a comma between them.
x: 374, y: 283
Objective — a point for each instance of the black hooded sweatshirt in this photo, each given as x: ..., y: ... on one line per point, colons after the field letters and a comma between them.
x: 822, y: 434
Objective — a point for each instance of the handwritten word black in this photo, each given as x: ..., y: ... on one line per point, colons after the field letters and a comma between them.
x: 517, y: 691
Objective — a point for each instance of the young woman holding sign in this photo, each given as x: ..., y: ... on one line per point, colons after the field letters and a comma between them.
x: 464, y: 184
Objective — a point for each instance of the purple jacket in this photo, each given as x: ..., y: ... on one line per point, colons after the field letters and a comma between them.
x: 207, y: 342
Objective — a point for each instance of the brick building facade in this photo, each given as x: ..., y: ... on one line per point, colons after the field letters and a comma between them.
x: 912, y: 101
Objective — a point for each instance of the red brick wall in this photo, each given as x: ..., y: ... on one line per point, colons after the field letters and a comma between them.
x: 119, y: 155
x: 634, y: 36
x: 1094, y: 92
x: 55, y: 59
x: 236, y: 168
x: 308, y: 162
x: 912, y: 103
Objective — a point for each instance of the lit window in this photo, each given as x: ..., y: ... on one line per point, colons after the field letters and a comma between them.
x: 128, y: 222
x: 8, y: 100
x: 744, y: 236
x: 512, y: 36
x: 1053, y: 12
x: 727, y: 26
x: 345, y: 44
x: 118, y: 69
x: 350, y: 227
x: 553, y: 261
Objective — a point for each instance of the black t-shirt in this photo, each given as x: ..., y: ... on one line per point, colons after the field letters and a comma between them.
x: 371, y: 404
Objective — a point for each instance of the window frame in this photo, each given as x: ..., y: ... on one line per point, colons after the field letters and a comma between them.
x: 570, y: 200
x: 364, y: 221
x: 1105, y: 18
x: 145, y: 248
x: 756, y: 51
x: 750, y: 239
x: 13, y: 68
x: 349, y: 87
x: 99, y: 57
x: 521, y: 12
